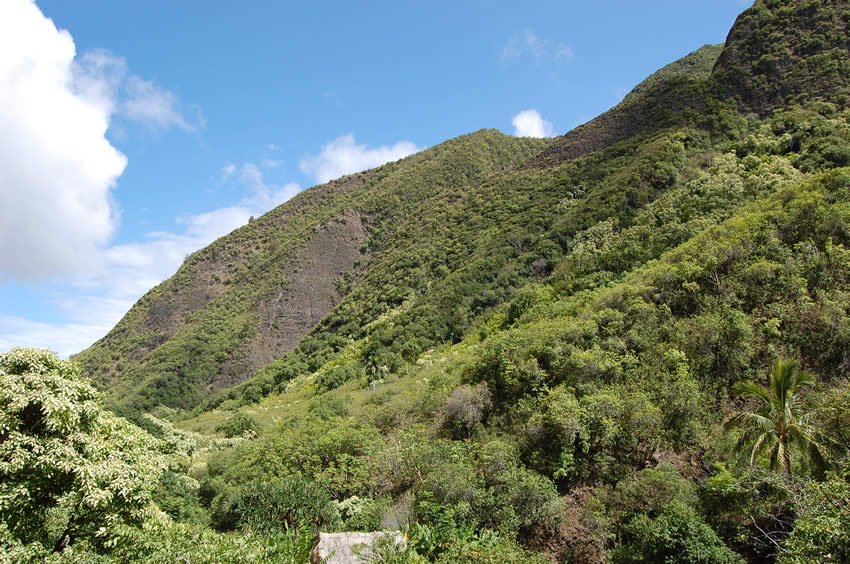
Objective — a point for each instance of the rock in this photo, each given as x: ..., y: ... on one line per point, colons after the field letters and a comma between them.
x: 350, y: 548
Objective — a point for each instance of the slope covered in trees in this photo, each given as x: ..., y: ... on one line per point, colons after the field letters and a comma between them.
x: 515, y: 350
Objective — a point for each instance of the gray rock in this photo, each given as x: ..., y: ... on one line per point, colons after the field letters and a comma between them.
x: 350, y: 548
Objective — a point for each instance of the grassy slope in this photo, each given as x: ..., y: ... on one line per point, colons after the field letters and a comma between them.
x: 708, y: 205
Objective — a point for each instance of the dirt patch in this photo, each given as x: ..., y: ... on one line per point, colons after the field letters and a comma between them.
x: 207, y: 275
x: 314, y: 277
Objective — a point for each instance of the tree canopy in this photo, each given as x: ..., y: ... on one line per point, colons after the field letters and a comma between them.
x: 68, y: 468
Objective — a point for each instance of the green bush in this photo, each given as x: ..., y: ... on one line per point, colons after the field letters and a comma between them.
x: 337, y: 376
x: 362, y: 514
x: 70, y: 471
x: 282, y: 504
x: 177, y: 495
x: 677, y: 534
x: 751, y: 510
x: 238, y: 425
x: 466, y: 408
x: 822, y: 527
x: 157, y: 541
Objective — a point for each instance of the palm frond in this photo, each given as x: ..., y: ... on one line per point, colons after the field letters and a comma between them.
x: 781, y: 381
x: 802, y: 379
x: 758, y: 445
x: 751, y: 420
x: 752, y: 390
x: 783, y: 420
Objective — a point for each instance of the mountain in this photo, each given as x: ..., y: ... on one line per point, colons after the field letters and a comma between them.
x: 519, y: 349
x: 787, y: 52
x: 344, y: 252
x: 251, y: 296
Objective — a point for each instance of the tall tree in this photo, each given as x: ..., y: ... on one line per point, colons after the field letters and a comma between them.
x: 782, y: 419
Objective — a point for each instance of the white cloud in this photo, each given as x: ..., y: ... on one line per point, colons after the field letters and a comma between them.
x: 57, y: 168
x: 227, y: 171
x: 93, y: 304
x: 529, y: 44
x: 529, y: 123
x: 96, y: 75
x: 56, y: 165
x: 149, y: 104
x: 264, y: 196
x: 104, y: 78
x: 63, y: 338
x: 343, y: 156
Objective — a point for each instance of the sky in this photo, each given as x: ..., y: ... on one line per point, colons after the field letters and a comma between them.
x: 134, y: 133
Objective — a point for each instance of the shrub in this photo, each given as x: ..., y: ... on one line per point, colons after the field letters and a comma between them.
x: 362, y: 513
x: 650, y: 491
x: 336, y: 377
x: 822, y: 528
x: 177, y: 495
x: 751, y: 511
x: 466, y: 408
x: 678, y: 534
x: 238, y: 425
x: 283, y: 504
x: 69, y: 470
x: 163, y: 541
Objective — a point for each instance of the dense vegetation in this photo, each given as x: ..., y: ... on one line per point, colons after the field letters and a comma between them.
x: 628, y: 344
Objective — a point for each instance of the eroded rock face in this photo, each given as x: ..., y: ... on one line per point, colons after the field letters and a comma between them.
x: 312, y: 278
x: 351, y: 548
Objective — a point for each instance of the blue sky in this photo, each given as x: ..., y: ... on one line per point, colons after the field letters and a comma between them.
x: 147, y: 129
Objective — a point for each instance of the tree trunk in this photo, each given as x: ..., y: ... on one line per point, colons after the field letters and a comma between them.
x: 64, y: 540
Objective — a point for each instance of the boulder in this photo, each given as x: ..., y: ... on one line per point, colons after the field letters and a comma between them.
x: 350, y: 548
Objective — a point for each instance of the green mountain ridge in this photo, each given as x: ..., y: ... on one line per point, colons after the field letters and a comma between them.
x: 250, y: 296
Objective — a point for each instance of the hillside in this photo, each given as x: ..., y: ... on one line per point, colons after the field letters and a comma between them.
x: 629, y: 343
x: 251, y: 296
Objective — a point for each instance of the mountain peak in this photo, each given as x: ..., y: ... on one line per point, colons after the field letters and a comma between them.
x: 781, y: 51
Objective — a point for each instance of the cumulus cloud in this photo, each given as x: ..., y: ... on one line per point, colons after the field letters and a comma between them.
x: 343, y: 156
x: 56, y: 166
x: 264, y: 196
x: 529, y: 123
x: 57, y: 170
x: 529, y: 44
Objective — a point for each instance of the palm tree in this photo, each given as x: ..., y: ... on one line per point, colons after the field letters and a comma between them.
x: 782, y: 418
